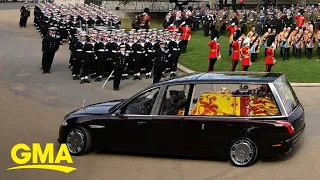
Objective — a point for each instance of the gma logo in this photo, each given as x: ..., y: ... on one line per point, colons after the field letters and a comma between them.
x: 46, y: 157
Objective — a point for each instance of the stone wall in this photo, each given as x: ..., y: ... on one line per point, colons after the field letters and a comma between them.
x: 69, y: 1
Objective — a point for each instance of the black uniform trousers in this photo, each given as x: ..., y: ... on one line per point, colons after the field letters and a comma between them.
x: 118, y: 71
x: 212, y: 62
x: 234, y: 65
x: 184, y: 47
x: 206, y: 30
x: 47, y: 59
x: 23, y: 21
x: 298, y: 52
x: 286, y: 53
x: 309, y: 53
x: 268, y: 67
x: 254, y: 57
x: 138, y: 63
x: 149, y: 64
x: 245, y: 67
x: 174, y: 62
x: 158, y: 69
x: 76, y: 64
x: 101, y: 65
x: 87, y: 63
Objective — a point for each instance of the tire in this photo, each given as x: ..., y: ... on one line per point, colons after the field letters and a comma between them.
x: 242, y: 152
x: 78, y: 141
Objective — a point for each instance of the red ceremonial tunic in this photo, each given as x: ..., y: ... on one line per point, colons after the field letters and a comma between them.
x: 186, y: 33
x: 169, y: 28
x: 300, y: 20
x: 176, y: 29
x: 245, y: 51
x: 144, y: 18
x: 232, y: 29
x: 236, y: 50
x: 269, y: 57
x: 214, y: 49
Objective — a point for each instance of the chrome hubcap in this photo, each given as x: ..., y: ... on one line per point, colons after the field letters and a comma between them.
x: 241, y: 152
x: 75, y: 141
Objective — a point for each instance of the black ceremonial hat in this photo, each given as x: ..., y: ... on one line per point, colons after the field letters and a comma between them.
x: 237, y: 34
x: 215, y: 34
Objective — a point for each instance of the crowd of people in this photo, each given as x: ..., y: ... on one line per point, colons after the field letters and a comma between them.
x: 99, y: 53
x: 111, y: 52
x: 269, y: 27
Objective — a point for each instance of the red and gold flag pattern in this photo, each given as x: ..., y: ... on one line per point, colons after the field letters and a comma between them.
x: 225, y: 104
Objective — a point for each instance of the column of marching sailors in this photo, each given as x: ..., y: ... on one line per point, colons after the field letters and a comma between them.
x: 96, y: 54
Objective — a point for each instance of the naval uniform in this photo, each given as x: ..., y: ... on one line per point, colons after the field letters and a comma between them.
x: 120, y: 64
x: 175, y: 52
x: 102, y: 55
x: 50, y: 44
x: 160, y: 63
x: 24, y: 14
x: 79, y: 54
x: 152, y: 47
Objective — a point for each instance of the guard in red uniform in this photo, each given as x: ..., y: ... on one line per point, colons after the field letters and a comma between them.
x: 269, y: 58
x: 214, y: 53
x: 232, y: 28
x: 235, y: 57
x: 300, y: 20
x: 145, y: 21
x: 186, y: 36
x: 245, y: 55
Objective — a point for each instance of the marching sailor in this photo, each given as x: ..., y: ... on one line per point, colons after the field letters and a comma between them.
x: 50, y: 45
x: 89, y: 60
x: 120, y: 65
x: 174, y: 52
x: 102, y: 55
x: 160, y: 62
x: 152, y: 47
x: 79, y: 55
x: 24, y: 14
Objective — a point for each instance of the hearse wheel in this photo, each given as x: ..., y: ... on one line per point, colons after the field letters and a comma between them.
x: 78, y: 141
x: 243, y: 152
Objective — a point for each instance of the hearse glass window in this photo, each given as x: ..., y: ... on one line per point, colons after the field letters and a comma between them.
x: 175, y: 100
x: 286, y: 93
x: 242, y: 100
x: 141, y: 105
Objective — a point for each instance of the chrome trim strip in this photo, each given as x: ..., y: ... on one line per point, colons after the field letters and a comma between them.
x: 96, y: 126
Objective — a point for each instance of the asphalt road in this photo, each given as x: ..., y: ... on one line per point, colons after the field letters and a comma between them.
x: 33, y: 106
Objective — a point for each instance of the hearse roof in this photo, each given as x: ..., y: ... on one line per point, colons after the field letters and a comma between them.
x: 223, y: 77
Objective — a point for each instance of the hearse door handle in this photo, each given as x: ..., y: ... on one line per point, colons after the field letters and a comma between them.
x: 142, y: 122
x: 202, y: 127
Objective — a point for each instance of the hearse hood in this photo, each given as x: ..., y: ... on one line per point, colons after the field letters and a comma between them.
x: 96, y: 109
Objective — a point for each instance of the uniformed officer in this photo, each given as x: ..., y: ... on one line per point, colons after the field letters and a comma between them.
x: 152, y: 46
x: 214, y: 53
x: 102, y: 53
x: 50, y: 45
x: 174, y: 51
x: 89, y: 60
x: 120, y: 65
x: 24, y: 14
x: 79, y: 55
x: 161, y: 57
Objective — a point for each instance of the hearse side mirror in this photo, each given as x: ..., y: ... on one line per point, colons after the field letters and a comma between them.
x: 119, y: 115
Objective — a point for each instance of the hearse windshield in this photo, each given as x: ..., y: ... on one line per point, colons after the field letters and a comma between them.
x: 286, y: 94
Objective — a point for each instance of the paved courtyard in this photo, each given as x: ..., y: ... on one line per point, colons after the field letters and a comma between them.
x: 33, y: 106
